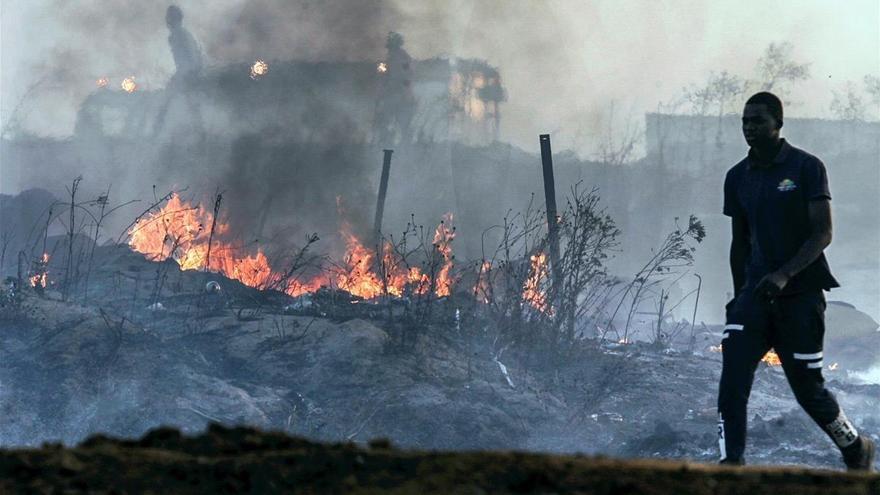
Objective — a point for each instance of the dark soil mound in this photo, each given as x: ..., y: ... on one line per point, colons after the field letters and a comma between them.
x: 245, y: 460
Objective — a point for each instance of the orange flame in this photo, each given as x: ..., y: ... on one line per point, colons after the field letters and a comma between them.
x: 362, y: 276
x: 533, y: 289
x: 443, y: 237
x: 359, y: 279
x: 40, y: 278
x: 182, y: 232
x: 771, y: 358
x: 102, y: 82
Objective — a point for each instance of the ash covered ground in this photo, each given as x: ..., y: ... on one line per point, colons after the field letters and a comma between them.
x: 338, y: 370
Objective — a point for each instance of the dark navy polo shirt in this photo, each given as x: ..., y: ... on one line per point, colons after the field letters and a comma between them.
x: 774, y: 201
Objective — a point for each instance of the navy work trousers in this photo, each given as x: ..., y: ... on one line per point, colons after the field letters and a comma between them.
x: 794, y: 326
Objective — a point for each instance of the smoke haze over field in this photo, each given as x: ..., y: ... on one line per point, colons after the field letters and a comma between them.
x: 562, y: 62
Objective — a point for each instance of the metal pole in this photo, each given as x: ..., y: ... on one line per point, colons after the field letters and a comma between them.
x: 383, y: 190
x: 692, y: 342
x: 550, y: 200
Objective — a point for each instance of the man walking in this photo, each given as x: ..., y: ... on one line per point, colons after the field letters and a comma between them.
x: 779, y: 203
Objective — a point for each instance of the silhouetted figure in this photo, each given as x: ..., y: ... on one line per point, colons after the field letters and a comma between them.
x: 188, y: 63
x: 184, y: 48
x: 396, y: 106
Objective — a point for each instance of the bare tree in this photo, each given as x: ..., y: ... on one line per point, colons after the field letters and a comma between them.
x: 848, y: 104
x: 872, y: 87
x: 777, y: 71
x: 618, y: 144
x: 715, y: 96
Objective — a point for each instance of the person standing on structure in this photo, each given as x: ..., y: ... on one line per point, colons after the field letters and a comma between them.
x: 779, y: 203
x: 188, y: 64
x: 396, y: 105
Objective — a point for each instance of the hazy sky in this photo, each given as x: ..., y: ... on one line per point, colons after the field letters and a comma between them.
x: 562, y: 62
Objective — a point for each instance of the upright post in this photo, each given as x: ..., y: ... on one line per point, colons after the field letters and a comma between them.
x: 550, y: 200
x: 383, y: 190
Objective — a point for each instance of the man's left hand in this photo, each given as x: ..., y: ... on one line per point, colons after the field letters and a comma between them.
x: 772, y: 284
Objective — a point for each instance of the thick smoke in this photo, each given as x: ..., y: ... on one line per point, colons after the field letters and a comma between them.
x: 563, y: 62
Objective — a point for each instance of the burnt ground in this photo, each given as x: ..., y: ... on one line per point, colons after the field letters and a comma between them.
x: 117, y: 364
x: 244, y: 460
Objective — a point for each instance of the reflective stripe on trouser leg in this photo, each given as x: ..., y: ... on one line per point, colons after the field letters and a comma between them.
x: 741, y: 352
x: 730, y: 327
x: 842, y: 431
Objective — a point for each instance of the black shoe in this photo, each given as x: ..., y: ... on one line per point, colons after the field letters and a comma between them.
x: 860, y: 455
x: 733, y: 462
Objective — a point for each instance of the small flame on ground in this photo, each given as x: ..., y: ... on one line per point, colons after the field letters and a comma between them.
x: 533, y: 290
x: 128, y: 85
x: 102, y: 82
x: 771, y: 358
x: 40, y: 277
x: 363, y: 276
x: 443, y: 237
x: 259, y: 69
x: 483, y: 288
x: 381, y: 67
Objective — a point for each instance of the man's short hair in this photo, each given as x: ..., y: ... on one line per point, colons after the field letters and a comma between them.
x: 773, y: 103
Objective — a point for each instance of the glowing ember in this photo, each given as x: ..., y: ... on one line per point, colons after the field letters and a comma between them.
x: 533, y: 290
x: 102, y: 82
x: 259, y: 69
x: 40, y: 276
x: 381, y: 67
x: 128, y: 85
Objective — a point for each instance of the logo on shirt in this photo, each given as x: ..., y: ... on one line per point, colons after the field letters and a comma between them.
x: 786, y: 185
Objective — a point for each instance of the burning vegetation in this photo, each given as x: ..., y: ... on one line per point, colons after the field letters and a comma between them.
x: 196, y: 239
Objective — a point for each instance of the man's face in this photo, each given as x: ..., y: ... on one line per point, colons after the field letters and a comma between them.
x: 759, y: 126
